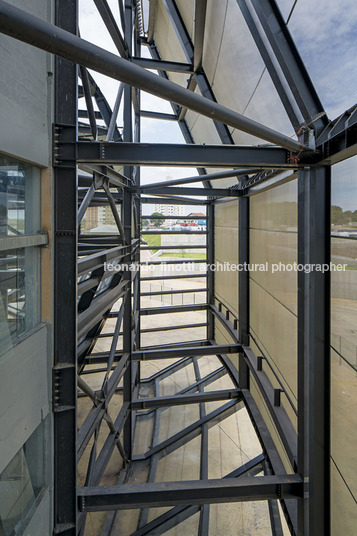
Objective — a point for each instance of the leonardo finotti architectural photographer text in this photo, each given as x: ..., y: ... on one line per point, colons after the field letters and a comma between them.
x: 228, y: 267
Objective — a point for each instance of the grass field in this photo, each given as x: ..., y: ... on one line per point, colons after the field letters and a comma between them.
x: 183, y: 255
x: 154, y: 242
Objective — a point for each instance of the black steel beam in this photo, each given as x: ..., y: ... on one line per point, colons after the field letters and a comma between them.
x: 199, y: 77
x: 162, y: 65
x: 179, y: 400
x: 104, y: 108
x: 277, y: 413
x: 167, y: 154
x: 314, y: 382
x: 171, y: 190
x: 173, y: 309
x: 158, y: 115
x: 200, y: 20
x: 112, y: 27
x: 25, y: 27
x: 176, y: 515
x: 65, y: 283
x: 159, y: 494
x: 167, y: 353
x: 290, y: 63
x: 243, y: 287
x: 173, y: 328
x: 200, y: 178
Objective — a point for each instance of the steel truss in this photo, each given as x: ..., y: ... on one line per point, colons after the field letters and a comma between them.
x: 303, y: 489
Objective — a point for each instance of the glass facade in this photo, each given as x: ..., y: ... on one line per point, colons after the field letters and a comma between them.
x: 20, y: 483
x: 19, y: 266
x: 344, y: 348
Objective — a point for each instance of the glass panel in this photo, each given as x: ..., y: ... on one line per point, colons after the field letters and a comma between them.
x: 19, y: 292
x: 20, y: 484
x: 19, y: 198
x: 344, y: 346
x: 20, y: 215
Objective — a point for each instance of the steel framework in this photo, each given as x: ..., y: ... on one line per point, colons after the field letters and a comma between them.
x: 87, y: 295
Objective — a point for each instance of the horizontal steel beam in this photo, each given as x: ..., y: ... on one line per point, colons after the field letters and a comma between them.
x: 181, y: 400
x: 163, y: 65
x: 169, y: 519
x: 173, y: 328
x: 184, y: 190
x: 159, y: 494
x: 34, y: 31
x: 167, y: 154
x: 200, y: 178
x: 167, y: 353
x: 145, y: 311
x: 158, y: 115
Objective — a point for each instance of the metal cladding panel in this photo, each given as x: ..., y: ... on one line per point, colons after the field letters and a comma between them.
x: 232, y: 63
x: 233, y: 66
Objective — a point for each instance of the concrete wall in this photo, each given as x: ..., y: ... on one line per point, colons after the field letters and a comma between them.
x: 26, y: 85
x: 26, y: 117
x: 24, y: 393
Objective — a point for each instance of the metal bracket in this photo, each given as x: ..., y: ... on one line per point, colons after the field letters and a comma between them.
x: 64, y: 148
x: 63, y: 375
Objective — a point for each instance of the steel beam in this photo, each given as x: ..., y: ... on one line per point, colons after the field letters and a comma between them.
x: 65, y: 289
x: 243, y: 287
x: 314, y: 202
x: 173, y: 517
x: 180, y: 400
x: 199, y: 78
x: 168, y: 154
x: 159, y: 494
x: 167, y: 353
x: 34, y: 31
x: 158, y: 115
x: 162, y: 65
x: 199, y: 178
x: 290, y: 62
x: 200, y: 20
x: 112, y: 27
x: 184, y: 190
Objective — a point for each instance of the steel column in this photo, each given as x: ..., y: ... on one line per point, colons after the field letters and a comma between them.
x: 314, y: 202
x: 243, y: 287
x: 65, y: 291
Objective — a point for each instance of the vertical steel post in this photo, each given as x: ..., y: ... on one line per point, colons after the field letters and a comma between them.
x: 127, y: 206
x: 65, y: 288
x: 137, y: 230
x: 243, y: 287
x: 210, y: 273
x: 314, y: 202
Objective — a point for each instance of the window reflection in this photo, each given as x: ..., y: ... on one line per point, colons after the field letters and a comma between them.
x: 19, y: 265
x: 344, y: 345
x: 20, y: 483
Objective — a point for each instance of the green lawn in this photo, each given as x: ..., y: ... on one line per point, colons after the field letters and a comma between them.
x: 154, y: 241
x: 183, y: 255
